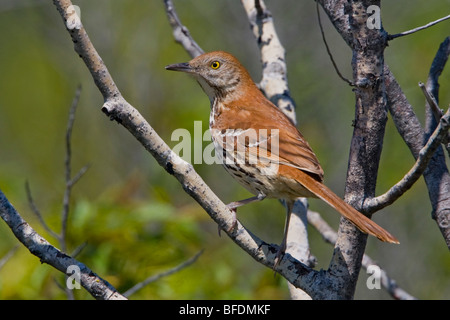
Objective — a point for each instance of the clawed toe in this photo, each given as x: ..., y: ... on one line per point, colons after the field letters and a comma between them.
x: 280, y: 255
x: 278, y: 258
x: 233, y: 222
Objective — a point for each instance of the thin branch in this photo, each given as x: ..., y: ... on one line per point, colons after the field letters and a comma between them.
x: 437, y: 67
x: 158, y: 276
x: 79, y: 175
x: 405, y: 33
x: 298, y: 243
x: 36, y: 211
x: 180, y: 32
x: 437, y: 112
x: 431, y: 89
x: 8, y: 256
x: 415, y: 172
x: 78, y: 249
x: 330, y: 236
x: 41, y: 248
x: 68, y: 169
x: 328, y: 49
x: 326, y: 231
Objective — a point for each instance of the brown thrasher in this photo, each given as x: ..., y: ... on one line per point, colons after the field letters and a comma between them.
x: 258, y: 144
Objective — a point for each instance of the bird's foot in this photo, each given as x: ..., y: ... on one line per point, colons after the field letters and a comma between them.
x: 233, y: 219
x: 280, y: 255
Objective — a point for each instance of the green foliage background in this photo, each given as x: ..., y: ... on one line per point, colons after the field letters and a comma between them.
x: 135, y: 219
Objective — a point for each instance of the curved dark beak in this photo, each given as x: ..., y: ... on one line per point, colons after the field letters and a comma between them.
x: 185, y: 67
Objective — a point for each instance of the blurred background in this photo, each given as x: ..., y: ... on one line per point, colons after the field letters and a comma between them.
x: 135, y: 219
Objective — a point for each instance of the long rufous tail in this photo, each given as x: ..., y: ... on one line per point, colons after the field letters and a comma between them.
x: 358, y: 219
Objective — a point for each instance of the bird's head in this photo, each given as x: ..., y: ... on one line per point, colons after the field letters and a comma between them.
x: 219, y: 73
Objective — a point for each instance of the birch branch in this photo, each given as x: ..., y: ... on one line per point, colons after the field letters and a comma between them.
x: 41, y: 248
x: 274, y: 85
x: 298, y: 243
x: 274, y: 71
x: 118, y: 109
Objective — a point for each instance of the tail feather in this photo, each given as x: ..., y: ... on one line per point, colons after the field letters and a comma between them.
x: 358, y: 219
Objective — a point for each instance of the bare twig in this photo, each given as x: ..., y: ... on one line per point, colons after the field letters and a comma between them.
x: 437, y: 112
x: 405, y: 33
x: 41, y: 248
x: 180, y: 32
x: 415, y: 172
x: 158, y: 276
x: 330, y: 236
x: 68, y: 169
x: 328, y: 49
x: 70, y: 182
x: 78, y: 249
x: 8, y: 256
x: 36, y: 211
x: 437, y: 67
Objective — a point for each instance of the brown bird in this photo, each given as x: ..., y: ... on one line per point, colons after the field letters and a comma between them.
x: 258, y: 144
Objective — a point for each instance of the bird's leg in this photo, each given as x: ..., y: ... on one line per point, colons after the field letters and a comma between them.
x: 235, y: 204
x: 283, y: 245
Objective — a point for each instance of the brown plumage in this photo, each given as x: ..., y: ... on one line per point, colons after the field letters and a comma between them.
x: 259, y: 145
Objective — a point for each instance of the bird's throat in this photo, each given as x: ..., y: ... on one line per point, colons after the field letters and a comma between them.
x: 210, y: 91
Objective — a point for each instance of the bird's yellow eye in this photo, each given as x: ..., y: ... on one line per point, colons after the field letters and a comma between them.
x: 215, y: 65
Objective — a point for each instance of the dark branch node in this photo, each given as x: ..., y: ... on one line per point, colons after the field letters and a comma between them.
x: 169, y: 168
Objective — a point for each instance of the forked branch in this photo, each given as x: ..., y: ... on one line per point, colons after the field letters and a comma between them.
x: 416, y: 171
